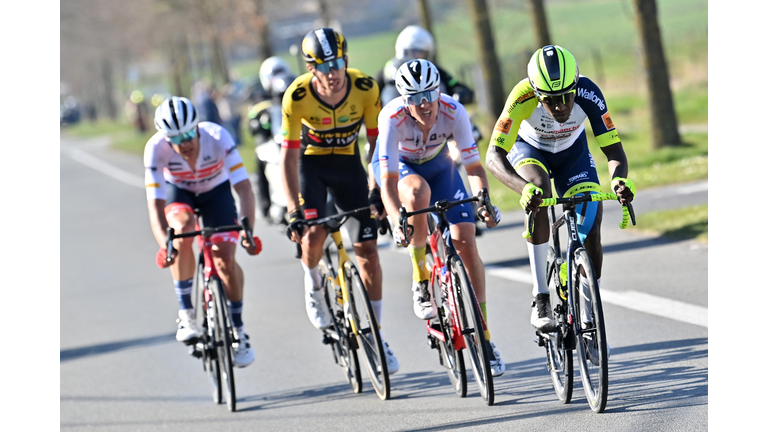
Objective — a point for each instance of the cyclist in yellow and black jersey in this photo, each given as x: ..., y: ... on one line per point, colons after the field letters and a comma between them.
x: 323, y: 111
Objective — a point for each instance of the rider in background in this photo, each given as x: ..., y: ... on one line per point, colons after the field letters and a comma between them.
x: 190, y: 165
x: 539, y: 136
x: 323, y: 111
x: 414, y: 43
x: 275, y: 76
x: 414, y: 169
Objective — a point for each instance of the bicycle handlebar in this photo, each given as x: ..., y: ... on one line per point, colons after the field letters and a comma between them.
x: 627, y: 213
x: 205, y: 232
x: 442, y: 206
x: 335, y: 217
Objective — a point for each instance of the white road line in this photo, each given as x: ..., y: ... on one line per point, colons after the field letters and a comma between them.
x: 634, y: 300
x: 104, y: 167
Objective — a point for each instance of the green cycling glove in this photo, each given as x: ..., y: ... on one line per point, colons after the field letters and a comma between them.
x: 528, y: 192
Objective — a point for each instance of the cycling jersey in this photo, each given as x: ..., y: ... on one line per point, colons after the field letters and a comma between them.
x: 217, y: 162
x: 320, y: 129
x: 400, y: 139
x: 523, y: 115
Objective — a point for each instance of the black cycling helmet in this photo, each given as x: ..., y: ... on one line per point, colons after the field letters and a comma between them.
x: 323, y: 45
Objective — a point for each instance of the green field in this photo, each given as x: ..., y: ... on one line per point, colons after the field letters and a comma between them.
x: 602, y: 36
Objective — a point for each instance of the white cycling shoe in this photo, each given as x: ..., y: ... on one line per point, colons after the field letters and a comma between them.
x: 423, y: 303
x: 317, y: 309
x: 244, y: 354
x: 187, y: 331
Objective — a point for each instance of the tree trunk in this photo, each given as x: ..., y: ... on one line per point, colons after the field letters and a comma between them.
x: 663, y: 119
x: 489, y: 63
x: 219, y: 59
x: 426, y: 23
x: 109, y: 89
x: 540, y: 27
x: 262, y: 30
x: 325, y: 15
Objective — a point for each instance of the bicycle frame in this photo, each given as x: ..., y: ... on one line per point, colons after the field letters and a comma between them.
x: 340, y: 280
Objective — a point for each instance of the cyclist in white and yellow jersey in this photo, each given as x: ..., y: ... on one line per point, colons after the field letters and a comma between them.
x: 193, y: 165
x: 539, y: 139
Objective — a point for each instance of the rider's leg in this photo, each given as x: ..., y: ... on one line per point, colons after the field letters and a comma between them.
x: 415, y: 194
x: 181, y: 219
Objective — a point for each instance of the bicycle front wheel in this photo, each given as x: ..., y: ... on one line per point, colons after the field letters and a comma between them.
x: 559, y: 359
x: 205, y: 315
x: 473, y: 328
x: 451, y: 358
x: 338, y: 335
x: 592, y: 347
x: 364, y: 323
x: 224, y: 342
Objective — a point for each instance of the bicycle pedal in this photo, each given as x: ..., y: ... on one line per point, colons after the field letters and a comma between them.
x: 539, y: 340
x: 194, y: 352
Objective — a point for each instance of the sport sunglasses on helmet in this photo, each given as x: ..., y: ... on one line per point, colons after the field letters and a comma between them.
x: 336, y: 64
x: 180, y: 138
x: 428, y: 95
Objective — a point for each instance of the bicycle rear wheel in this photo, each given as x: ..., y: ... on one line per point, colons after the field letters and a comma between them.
x: 224, y: 339
x: 559, y: 359
x: 363, y: 319
x: 451, y: 358
x: 591, y: 345
x: 473, y: 328
x: 338, y: 335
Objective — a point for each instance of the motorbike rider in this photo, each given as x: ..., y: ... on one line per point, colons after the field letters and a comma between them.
x: 415, y: 43
x: 264, y: 120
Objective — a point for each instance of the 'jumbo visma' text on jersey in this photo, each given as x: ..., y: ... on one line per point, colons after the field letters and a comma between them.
x: 320, y: 129
x: 401, y: 139
x: 523, y: 115
x: 217, y: 162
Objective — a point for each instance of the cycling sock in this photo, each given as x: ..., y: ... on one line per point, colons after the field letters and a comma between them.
x: 419, y: 262
x: 537, y: 255
x: 312, y: 279
x: 376, y: 305
x: 236, y: 311
x: 485, y: 318
x: 184, y: 293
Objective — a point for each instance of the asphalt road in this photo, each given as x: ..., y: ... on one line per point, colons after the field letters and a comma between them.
x: 122, y: 370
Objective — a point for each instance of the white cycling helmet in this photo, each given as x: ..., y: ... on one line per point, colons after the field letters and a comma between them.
x: 175, y: 116
x: 415, y: 76
x: 414, y: 38
x: 269, y: 68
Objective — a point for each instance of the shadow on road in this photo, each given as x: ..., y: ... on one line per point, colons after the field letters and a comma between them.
x: 76, y: 353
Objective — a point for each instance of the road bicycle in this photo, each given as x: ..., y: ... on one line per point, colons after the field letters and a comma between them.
x: 214, y: 346
x: 577, y: 312
x: 354, y: 325
x: 459, y: 323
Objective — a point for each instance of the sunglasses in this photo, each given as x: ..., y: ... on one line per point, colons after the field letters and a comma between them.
x: 180, y: 138
x: 561, y: 98
x: 420, y: 97
x: 337, y: 64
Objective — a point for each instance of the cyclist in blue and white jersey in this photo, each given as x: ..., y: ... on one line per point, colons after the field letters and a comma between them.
x: 413, y: 168
x: 540, y: 138
x: 193, y: 165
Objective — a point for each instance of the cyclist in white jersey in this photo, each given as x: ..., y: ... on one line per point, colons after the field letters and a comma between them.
x: 413, y: 167
x: 192, y: 165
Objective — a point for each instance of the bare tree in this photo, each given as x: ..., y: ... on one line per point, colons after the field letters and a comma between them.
x: 540, y: 27
x: 261, y: 22
x: 663, y: 119
x: 489, y: 62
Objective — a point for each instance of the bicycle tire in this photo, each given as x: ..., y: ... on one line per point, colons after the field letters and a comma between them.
x: 338, y: 333
x: 224, y: 338
x: 369, y: 341
x: 559, y: 359
x: 473, y: 329
x: 451, y: 358
x: 591, y: 343
x: 207, y: 342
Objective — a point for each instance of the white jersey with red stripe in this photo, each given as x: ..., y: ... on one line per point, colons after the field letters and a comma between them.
x: 217, y: 162
x: 400, y: 139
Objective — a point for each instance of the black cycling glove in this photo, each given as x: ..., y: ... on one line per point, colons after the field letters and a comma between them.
x: 295, y: 223
x: 374, y: 199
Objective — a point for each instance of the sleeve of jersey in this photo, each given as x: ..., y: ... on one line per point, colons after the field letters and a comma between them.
x: 153, y: 174
x: 388, y: 147
x: 519, y: 106
x: 462, y: 133
x: 593, y: 103
x: 291, y: 128
x: 371, y: 115
x: 232, y: 161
